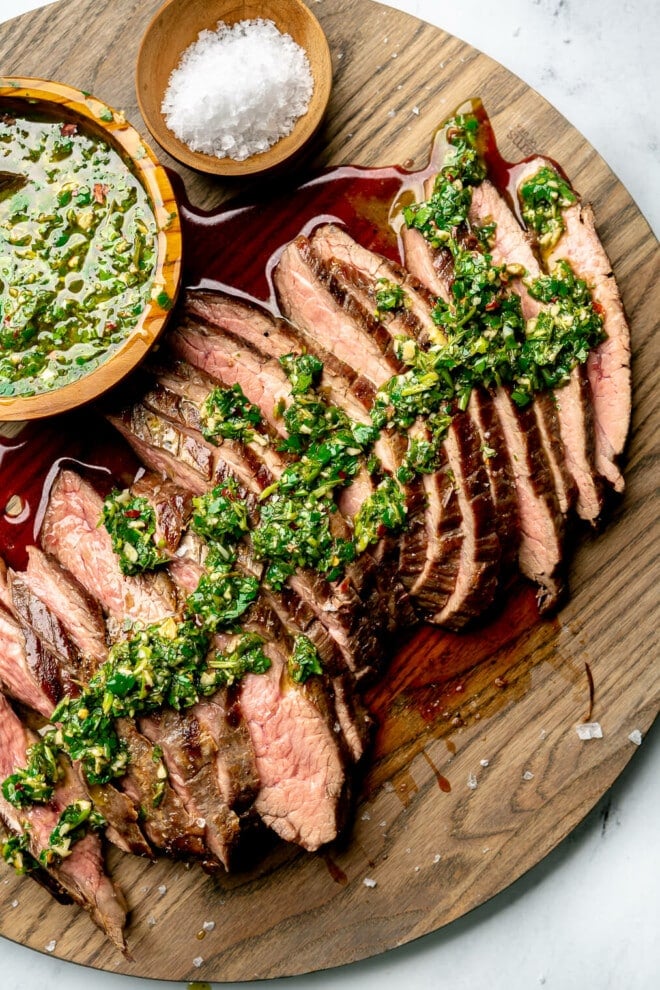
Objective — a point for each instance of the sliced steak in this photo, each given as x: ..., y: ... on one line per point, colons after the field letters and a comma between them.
x: 69, y: 602
x: 608, y: 366
x: 71, y: 532
x: 189, y: 753
x: 28, y: 672
x: 347, y: 275
x: 81, y: 874
x: 299, y: 755
x: 562, y: 415
x: 165, y: 821
x: 541, y: 520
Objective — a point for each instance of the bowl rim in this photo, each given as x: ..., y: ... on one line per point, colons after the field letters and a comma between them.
x: 263, y: 161
x: 110, y: 124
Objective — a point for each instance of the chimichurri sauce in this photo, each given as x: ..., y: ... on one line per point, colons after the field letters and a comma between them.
x: 77, y: 252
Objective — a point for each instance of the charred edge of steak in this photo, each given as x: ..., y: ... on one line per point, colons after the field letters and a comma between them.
x: 545, y: 406
x: 500, y: 474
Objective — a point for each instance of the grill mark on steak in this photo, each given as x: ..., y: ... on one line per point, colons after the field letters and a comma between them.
x: 166, y: 823
x: 82, y: 874
x: 26, y: 672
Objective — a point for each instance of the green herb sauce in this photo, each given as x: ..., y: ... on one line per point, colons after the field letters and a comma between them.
x: 77, y: 253
x: 304, y: 660
x: 543, y: 196
x: 131, y: 523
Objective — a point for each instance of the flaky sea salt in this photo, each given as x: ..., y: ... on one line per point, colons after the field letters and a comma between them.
x: 238, y: 90
x: 208, y: 926
x: 636, y: 737
x: 50, y: 947
x: 528, y: 775
x: 472, y: 782
x: 197, y: 961
x: 368, y: 882
x: 589, y: 730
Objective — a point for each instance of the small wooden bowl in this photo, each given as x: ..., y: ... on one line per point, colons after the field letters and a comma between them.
x: 72, y: 105
x: 177, y: 25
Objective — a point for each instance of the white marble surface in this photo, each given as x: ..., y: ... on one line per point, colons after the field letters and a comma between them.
x: 587, y: 917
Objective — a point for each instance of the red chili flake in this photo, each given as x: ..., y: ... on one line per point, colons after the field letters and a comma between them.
x: 132, y: 513
x: 492, y: 305
x: 342, y: 475
x: 382, y: 529
x: 100, y: 191
x: 598, y: 307
x: 110, y: 325
x: 68, y: 130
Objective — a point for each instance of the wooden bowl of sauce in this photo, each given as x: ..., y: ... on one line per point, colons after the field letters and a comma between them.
x: 177, y: 25
x: 90, y: 248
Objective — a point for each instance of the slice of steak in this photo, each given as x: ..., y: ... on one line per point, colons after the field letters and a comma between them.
x: 608, y: 366
x: 165, y: 821
x: 189, y: 753
x: 71, y: 532
x: 172, y: 507
x: 46, y: 627
x: 69, y: 602
x: 335, y: 265
x: 28, y: 673
x: 300, y: 757
x: 81, y: 874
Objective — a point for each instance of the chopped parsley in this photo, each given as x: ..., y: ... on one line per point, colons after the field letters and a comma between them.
x: 73, y: 824
x: 227, y: 413
x: 221, y: 516
x: 222, y: 595
x: 303, y: 371
x: 390, y: 297
x: 304, y: 660
x: 384, y: 509
x: 543, y: 196
x: 245, y: 657
x: 16, y: 853
x: 131, y: 524
x: 35, y: 783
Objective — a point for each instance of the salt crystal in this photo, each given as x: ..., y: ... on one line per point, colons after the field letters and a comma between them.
x: 417, y: 869
x: 388, y: 786
x: 151, y: 921
x: 208, y: 926
x: 415, y: 110
x: 14, y: 904
x: 589, y: 730
x: 472, y: 782
x: 162, y: 889
x: 197, y: 961
x: 51, y: 945
x: 484, y: 763
x: 636, y: 737
x: 368, y: 882
x: 237, y: 90
x: 382, y: 824
x: 528, y: 775
x: 437, y: 858
x: 391, y: 113
x: 366, y: 817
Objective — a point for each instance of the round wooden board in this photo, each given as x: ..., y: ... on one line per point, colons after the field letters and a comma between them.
x: 511, y: 695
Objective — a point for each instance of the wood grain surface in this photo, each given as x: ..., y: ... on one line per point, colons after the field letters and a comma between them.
x: 511, y: 694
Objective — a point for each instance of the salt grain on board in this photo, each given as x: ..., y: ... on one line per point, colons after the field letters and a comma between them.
x: 238, y: 90
x: 636, y: 737
x: 589, y: 730
x: 51, y: 945
x: 368, y: 882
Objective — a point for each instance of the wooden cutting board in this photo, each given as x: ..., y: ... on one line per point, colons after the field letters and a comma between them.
x: 510, y: 695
